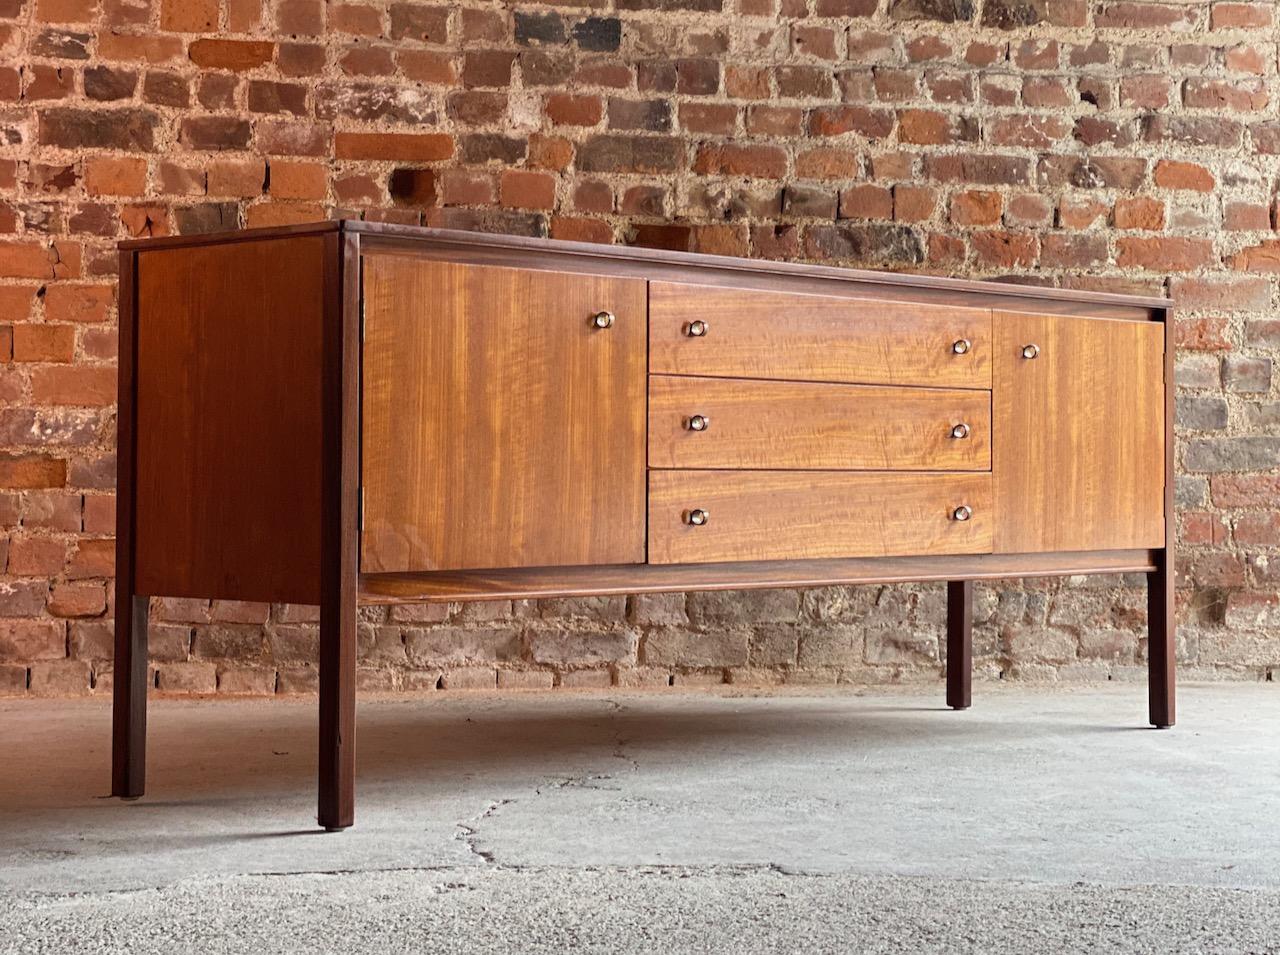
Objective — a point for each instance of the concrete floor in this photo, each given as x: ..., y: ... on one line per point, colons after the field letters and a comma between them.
x: 1043, y: 820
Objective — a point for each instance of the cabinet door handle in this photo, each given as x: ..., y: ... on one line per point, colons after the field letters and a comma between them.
x: 962, y: 513
x: 961, y: 346
x: 602, y: 319
x: 698, y: 422
x: 960, y: 430
x: 697, y: 517
x: 1030, y: 351
x: 696, y: 328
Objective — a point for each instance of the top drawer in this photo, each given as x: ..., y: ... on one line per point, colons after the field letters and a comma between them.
x: 747, y: 333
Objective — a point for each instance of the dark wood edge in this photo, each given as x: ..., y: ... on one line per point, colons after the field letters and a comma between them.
x: 598, y: 253
x: 533, y: 583
x: 129, y: 689
x: 231, y: 235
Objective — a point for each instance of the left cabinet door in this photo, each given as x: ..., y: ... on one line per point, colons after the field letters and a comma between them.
x: 501, y: 425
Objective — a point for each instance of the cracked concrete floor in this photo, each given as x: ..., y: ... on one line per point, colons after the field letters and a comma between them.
x: 873, y: 821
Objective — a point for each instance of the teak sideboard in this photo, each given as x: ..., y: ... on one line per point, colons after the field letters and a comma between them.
x: 348, y: 413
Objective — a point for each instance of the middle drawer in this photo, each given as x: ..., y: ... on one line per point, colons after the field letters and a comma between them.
x: 745, y: 423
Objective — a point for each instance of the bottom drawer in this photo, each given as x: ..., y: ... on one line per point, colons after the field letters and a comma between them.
x: 712, y: 516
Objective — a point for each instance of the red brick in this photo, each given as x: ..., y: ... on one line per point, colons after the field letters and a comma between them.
x: 235, y: 55
x: 1139, y: 213
x: 527, y: 190
x: 567, y: 109
x: 866, y: 201
x: 415, y: 147
x: 1240, y: 16
x: 769, y: 162
x: 1005, y: 249
x: 973, y: 208
x: 1164, y: 253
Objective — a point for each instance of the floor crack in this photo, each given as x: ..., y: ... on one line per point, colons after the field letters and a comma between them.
x: 469, y: 829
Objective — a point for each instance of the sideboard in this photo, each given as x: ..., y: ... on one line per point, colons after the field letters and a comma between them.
x: 350, y: 412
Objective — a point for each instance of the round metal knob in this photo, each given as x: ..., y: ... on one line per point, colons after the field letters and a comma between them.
x: 697, y: 517
x: 962, y: 513
x: 696, y: 329
x: 960, y: 431
x: 961, y: 346
x: 1030, y: 351
x: 602, y: 319
x: 699, y: 422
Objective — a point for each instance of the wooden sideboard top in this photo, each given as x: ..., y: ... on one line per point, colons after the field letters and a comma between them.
x: 599, y: 253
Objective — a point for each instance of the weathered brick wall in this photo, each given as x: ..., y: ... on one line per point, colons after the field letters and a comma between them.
x: 1115, y: 145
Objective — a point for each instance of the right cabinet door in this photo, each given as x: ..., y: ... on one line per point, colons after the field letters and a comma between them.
x: 1078, y: 436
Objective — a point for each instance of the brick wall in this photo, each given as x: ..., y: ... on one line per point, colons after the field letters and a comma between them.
x: 1115, y: 145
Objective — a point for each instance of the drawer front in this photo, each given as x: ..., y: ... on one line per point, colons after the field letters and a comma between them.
x: 793, y: 515
x: 741, y: 423
x: 753, y: 334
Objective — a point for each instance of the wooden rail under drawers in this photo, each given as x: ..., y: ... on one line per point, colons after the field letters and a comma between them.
x: 352, y: 412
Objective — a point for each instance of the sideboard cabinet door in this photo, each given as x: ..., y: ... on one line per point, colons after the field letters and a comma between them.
x: 1078, y: 433
x: 503, y: 418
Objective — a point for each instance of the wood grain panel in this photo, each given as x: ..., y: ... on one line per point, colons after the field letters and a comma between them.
x: 228, y: 450
x: 796, y: 515
x: 1079, y: 434
x: 757, y: 334
x: 536, y: 582
x: 806, y: 425
x: 501, y: 429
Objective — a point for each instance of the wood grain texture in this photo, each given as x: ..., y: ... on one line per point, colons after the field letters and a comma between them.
x: 535, y: 582
x: 501, y: 429
x: 797, y: 515
x: 229, y: 420
x: 758, y: 334
x: 1079, y: 434
x: 812, y: 426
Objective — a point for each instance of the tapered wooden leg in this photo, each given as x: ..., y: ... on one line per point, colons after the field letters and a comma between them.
x: 1161, y: 643
x: 959, y: 644
x: 337, y: 712
x: 339, y: 534
x: 129, y: 710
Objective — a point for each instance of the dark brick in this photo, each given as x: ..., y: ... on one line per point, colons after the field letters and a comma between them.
x: 871, y: 243
x: 127, y: 129
x: 1201, y: 413
x: 651, y: 115
x: 489, y: 147
x: 476, y: 107
x: 1193, y: 130
x: 1250, y: 453
x: 166, y: 89
x: 808, y: 201
x: 413, y: 21
x: 105, y: 83
x: 207, y: 217
x: 647, y: 154
x: 490, y: 220
x: 412, y: 187
x: 546, y: 67
x: 702, y: 6
x: 266, y: 96
x: 59, y: 44
x: 945, y: 11
x: 598, y: 34
x: 215, y: 132
x: 534, y: 28
x: 1013, y: 14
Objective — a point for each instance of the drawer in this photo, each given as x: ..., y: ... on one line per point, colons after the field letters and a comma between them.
x: 790, y: 515
x: 743, y: 423
x: 745, y: 333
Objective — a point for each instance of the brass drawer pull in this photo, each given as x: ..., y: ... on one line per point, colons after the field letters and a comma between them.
x: 960, y: 431
x: 962, y: 513
x: 961, y: 346
x: 1030, y: 351
x: 696, y: 329
x: 697, y: 517
x: 602, y: 319
x: 698, y: 422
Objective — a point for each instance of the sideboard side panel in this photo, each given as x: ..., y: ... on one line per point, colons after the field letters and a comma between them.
x: 229, y: 414
x: 1078, y: 449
